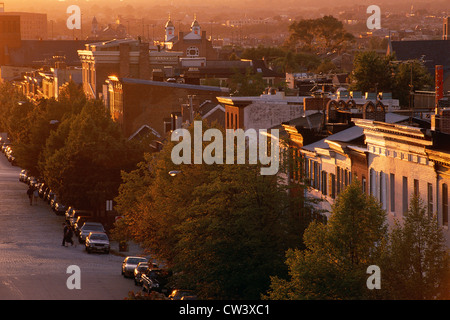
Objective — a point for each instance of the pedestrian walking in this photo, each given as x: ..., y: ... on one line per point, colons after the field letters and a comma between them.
x: 69, y: 235
x: 30, y: 195
x: 35, y: 195
x: 64, y: 234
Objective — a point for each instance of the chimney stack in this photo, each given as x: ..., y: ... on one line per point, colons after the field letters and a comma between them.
x: 446, y: 29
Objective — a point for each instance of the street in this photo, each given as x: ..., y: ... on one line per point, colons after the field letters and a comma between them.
x: 33, y: 263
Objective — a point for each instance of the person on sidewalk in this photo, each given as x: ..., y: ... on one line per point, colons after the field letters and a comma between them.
x: 35, y: 195
x: 30, y: 195
x: 66, y: 227
x: 69, y: 235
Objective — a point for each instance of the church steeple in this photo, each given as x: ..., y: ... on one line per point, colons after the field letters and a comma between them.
x: 170, y: 30
x: 195, y: 26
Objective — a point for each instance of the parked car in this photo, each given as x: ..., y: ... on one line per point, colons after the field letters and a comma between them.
x: 50, y: 196
x: 179, y: 294
x: 60, y: 209
x: 42, y: 190
x: 76, y: 213
x: 89, y: 227
x: 23, y: 175
x: 130, y: 263
x: 31, y: 180
x: 141, y: 268
x: 53, y: 202
x: 68, y: 214
x: 138, y: 271
x: 155, y: 280
x: 81, y: 220
x: 97, y: 241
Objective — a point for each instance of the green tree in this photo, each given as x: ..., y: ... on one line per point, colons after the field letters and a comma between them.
x: 333, y: 265
x: 222, y: 229
x: 326, y: 67
x: 248, y: 84
x: 409, y: 77
x: 322, y: 34
x: 371, y: 72
x: 84, y: 157
x: 417, y: 265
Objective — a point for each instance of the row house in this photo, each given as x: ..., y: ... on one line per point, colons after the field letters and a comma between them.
x: 47, y: 82
x: 393, y: 159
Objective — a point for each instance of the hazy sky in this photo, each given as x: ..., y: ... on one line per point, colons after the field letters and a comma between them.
x: 57, y: 7
x: 13, y: 4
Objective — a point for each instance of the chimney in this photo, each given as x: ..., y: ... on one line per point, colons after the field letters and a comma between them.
x: 440, y: 120
x: 439, y: 84
x: 446, y: 29
x: 144, y: 61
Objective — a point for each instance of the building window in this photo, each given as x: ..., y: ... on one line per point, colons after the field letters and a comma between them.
x: 167, y: 126
x: 192, y: 52
x: 405, y: 195
x: 430, y: 199
x: 383, y: 189
x: 338, y: 180
x: 372, y: 182
x: 364, y: 184
x: 416, y: 187
x: 306, y: 169
x: 324, y: 183
x: 317, y: 176
x: 392, y: 190
x: 445, y: 204
x: 332, y: 185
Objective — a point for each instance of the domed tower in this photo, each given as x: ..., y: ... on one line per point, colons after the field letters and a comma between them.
x: 170, y: 30
x: 195, y: 26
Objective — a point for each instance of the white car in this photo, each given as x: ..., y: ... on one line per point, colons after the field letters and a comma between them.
x: 97, y: 241
x: 129, y: 264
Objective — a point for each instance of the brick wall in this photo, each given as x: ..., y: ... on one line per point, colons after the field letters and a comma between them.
x: 318, y: 104
x: 150, y: 104
x: 444, y: 121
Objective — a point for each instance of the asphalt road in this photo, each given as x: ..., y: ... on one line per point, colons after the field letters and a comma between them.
x: 33, y: 263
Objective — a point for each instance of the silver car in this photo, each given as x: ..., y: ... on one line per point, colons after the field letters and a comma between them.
x: 129, y: 264
x: 97, y: 241
x: 89, y: 227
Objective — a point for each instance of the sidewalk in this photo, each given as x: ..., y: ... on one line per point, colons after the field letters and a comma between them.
x: 133, y: 249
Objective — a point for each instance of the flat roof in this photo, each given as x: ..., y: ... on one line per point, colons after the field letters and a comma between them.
x: 174, y: 85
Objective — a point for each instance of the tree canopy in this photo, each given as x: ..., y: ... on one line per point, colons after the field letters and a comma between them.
x: 321, y: 34
x: 373, y: 72
x: 333, y: 264
x: 222, y: 229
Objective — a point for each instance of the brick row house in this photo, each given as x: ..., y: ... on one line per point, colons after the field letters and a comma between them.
x: 393, y: 159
